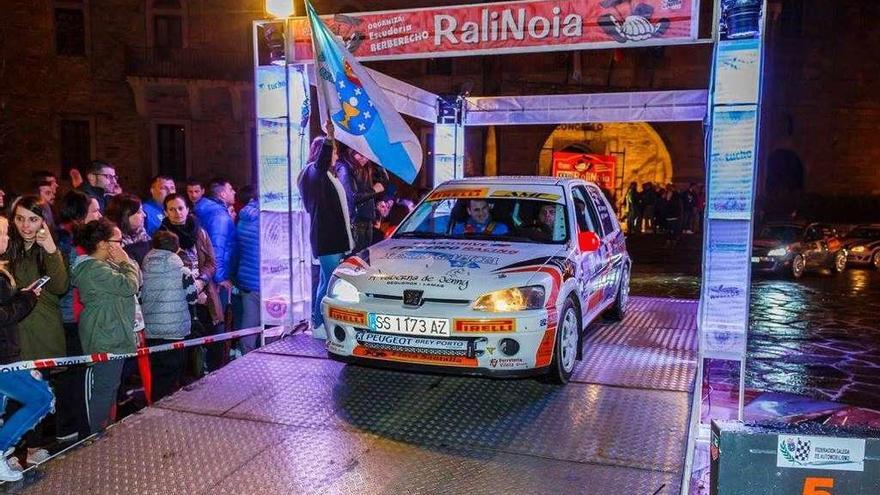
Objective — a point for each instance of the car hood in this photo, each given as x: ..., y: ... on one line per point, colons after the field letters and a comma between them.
x: 446, y: 269
x: 767, y: 243
x: 851, y: 242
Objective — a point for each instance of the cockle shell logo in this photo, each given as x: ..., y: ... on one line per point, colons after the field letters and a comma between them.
x: 631, y: 23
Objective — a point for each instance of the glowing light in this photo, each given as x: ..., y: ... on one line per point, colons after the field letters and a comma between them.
x: 279, y: 8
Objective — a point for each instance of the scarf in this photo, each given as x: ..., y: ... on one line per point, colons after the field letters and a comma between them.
x: 135, y: 237
x: 187, y: 233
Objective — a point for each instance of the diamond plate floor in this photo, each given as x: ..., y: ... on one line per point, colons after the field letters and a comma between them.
x: 288, y: 420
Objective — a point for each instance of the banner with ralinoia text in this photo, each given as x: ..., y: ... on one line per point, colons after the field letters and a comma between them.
x: 505, y: 27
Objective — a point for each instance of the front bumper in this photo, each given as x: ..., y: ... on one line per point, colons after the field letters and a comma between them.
x: 472, y: 348
x: 771, y: 263
x: 863, y: 257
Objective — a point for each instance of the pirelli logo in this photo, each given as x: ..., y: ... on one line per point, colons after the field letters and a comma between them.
x: 507, y: 325
x: 458, y: 193
x: 348, y: 316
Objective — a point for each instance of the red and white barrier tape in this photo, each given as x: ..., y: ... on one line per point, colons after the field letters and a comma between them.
x: 106, y: 356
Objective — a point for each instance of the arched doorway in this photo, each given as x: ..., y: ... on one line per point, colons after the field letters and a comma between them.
x: 641, y: 153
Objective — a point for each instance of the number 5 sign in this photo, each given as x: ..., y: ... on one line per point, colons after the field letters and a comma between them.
x: 815, y: 486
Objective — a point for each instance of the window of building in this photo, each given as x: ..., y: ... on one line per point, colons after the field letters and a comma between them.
x: 70, y: 31
x: 76, y: 144
x: 168, y: 32
x: 439, y: 67
x: 171, y: 150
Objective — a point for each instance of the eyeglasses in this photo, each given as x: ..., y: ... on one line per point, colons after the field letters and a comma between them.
x: 110, y: 176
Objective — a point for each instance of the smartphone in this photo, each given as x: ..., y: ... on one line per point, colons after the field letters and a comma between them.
x: 40, y: 282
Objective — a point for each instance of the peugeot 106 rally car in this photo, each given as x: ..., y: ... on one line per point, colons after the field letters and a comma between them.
x: 493, y: 276
x: 793, y: 248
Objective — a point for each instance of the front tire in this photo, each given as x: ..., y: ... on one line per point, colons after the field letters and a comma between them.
x: 798, y: 265
x: 875, y: 260
x: 568, y: 338
x: 839, y: 264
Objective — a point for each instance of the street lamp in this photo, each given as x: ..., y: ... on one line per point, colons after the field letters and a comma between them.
x: 281, y: 9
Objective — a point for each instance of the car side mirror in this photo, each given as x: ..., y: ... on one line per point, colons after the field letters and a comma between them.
x: 588, y: 241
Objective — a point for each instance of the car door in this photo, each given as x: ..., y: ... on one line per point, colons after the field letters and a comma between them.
x: 612, y: 239
x: 815, y: 247
x: 592, y: 266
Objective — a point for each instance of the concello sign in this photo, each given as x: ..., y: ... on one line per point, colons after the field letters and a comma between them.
x: 506, y: 27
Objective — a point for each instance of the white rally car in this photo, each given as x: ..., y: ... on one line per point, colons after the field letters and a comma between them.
x: 490, y: 276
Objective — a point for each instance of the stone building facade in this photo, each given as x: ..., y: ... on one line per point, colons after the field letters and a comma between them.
x: 166, y: 86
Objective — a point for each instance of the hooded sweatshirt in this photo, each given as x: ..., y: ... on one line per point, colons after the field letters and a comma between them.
x: 107, y: 292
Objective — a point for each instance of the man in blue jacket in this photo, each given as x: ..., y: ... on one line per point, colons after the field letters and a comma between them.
x: 213, y: 215
x: 160, y: 186
x: 247, y: 276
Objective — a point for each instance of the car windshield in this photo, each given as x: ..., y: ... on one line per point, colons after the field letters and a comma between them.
x: 513, y: 220
x: 785, y: 233
x: 864, y: 233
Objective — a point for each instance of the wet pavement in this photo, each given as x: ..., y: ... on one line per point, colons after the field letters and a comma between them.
x: 818, y: 336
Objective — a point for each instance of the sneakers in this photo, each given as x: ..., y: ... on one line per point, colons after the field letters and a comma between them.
x: 10, y: 470
x: 37, y: 456
x: 320, y: 332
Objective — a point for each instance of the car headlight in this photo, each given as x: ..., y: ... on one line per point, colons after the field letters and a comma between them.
x: 343, y: 290
x: 859, y: 249
x: 778, y: 252
x: 513, y: 299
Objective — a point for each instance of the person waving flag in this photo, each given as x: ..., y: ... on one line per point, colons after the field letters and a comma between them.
x: 362, y: 116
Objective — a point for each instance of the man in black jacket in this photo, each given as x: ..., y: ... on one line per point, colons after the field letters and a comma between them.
x: 100, y: 178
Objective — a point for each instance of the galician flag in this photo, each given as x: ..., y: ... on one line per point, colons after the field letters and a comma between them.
x: 362, y: 116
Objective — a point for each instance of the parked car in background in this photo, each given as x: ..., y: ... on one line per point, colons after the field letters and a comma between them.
x: 863, y: 245
x: 490, y: 276
x: 793, y: 248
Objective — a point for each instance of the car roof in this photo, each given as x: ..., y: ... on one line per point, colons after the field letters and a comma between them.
x: 538, y: 180
x: 798, y: 225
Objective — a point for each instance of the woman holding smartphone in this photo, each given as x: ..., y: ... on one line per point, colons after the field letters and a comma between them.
x: 32, y: 254
x: 24, y: 387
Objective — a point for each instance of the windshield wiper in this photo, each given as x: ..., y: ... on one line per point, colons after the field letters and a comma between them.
x: 493, y: 237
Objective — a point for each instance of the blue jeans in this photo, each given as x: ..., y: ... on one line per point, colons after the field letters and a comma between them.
x: 36, y: 401
x: 250, y: 317
x: 329, y: 262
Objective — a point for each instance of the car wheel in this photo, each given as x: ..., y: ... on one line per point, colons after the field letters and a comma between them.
x: 618, y: 310
x: 839, y: 262
x: 798, y: 265
x: 875, y: 260
x: 568, y: 338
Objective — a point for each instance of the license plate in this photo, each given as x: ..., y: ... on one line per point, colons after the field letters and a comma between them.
x: 409, y: 325
x: 756, y: 259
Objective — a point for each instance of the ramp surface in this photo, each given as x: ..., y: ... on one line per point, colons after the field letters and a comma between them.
x: 287, y: 420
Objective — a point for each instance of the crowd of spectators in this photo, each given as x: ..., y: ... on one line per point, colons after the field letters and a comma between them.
x: 101, y: 270
x: 95, y: 269
x: 665, y: 209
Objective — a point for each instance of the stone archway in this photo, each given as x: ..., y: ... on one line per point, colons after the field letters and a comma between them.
x: 643, y: 153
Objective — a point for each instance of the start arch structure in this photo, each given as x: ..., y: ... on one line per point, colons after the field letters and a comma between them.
x: 729, y: 108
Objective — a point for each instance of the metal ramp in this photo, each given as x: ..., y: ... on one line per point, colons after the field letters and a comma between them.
x: 287, y: 420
